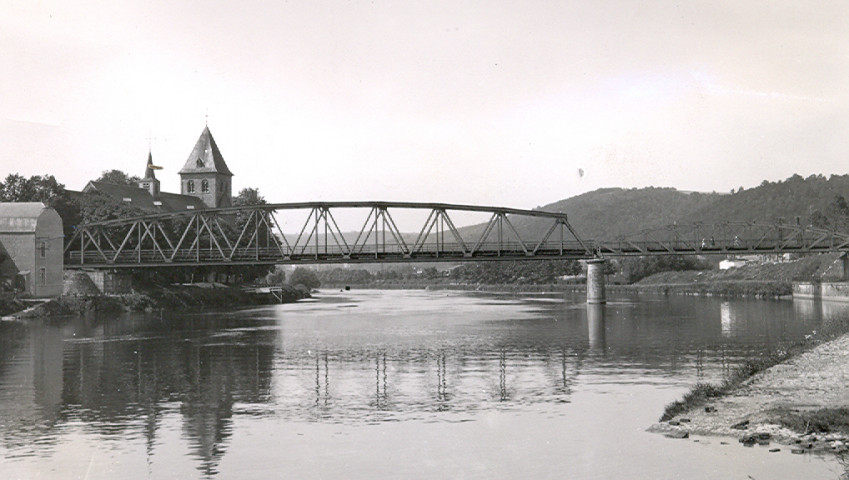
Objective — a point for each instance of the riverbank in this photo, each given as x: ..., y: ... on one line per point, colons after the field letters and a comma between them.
x: 154, y: 298
x: 801, y: 402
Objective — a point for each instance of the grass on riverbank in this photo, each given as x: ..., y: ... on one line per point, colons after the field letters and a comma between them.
x: 824, y: 420
x: 702, y: 393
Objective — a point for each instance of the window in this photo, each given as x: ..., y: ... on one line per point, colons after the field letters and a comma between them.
x: 199, y: 163
x: 204, y: 186
x: 42, y: 249
x: 190, y: 187
x: 42, y: 276
x: 146, y: 186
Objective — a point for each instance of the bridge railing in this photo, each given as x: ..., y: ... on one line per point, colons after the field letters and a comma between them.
x: 331, y: 254
x: 726, y: 238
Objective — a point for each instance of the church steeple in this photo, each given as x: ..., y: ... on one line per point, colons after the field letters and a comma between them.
x: 205, y: 174
x: 149, y: 182
x: 149, y: 171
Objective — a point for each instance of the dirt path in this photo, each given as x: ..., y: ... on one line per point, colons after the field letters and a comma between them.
x: 813, y: 380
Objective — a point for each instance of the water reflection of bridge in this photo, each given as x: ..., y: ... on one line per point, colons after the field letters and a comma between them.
x: 134, y: 377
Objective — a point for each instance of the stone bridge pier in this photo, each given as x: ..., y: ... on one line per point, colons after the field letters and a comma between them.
x: 595, y: 281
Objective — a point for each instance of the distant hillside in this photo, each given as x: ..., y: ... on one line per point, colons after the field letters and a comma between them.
x: 612, y: 212
x: 788, y: 199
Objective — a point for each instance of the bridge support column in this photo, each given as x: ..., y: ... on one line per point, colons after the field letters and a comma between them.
x: 595, y: 281
x: 845, y: 264
x: 596, y: 328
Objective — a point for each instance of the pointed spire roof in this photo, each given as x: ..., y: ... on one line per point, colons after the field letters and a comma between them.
x: 148, y: 173
x: 205, y: 157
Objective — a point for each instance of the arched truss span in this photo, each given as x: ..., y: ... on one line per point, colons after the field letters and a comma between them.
x: 253, y: 235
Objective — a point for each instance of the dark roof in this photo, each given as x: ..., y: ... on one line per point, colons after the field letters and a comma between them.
x: 141, y: 198
x: 205, y: 157
x: 174, y: 202
x: 138, y: 197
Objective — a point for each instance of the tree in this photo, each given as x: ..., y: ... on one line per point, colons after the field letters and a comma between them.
x: 97, y: 206
x: 835, y: 216
x: 248, y: 196
x: 306, y: 277
x: 37, y: 188
x: 277, y: 277
x: 45, y: 189
x: 118, y: 177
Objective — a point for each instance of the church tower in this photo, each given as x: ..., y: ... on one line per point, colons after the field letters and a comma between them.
x: 205, y: 175
x: 149, y: 182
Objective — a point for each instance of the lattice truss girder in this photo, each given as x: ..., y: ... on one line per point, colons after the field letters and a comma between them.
x: 253, y: 234
x: 727, y: 238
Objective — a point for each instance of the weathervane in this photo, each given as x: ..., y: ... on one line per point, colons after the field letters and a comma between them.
x: 150, y: 139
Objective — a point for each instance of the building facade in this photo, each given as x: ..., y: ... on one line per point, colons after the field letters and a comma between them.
x: 31, y: 246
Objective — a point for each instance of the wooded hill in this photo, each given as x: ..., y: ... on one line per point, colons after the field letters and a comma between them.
x: 608, y: 213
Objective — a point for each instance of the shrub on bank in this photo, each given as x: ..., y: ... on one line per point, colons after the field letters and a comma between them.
x: 825, y: 420
x: 701, y: 393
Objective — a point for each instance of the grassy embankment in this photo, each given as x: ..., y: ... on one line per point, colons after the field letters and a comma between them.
x: 803, y: 422
x: 767, y: 280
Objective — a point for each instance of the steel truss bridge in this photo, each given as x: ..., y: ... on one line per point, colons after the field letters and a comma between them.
x: 252, y: 235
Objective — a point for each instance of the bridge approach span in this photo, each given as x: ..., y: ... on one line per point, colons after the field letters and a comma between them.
x: 728, y: 238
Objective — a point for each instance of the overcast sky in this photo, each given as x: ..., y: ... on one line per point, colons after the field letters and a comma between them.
x: 516, y: 104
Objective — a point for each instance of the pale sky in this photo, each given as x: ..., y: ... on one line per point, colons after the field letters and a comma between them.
x: 480, y: 102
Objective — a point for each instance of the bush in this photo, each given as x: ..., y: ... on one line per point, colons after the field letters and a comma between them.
x: 306, y: 277
x: 635, y: 269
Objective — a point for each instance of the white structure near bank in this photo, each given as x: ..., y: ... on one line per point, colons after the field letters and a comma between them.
x: 31, y: 244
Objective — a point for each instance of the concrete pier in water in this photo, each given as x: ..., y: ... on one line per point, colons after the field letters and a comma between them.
x: 595, y: 281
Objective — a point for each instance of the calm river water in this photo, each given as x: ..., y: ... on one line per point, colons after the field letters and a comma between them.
x: 388, y: 384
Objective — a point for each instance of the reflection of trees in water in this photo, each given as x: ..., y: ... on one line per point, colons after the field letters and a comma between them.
x: 380, y: 398
x: 30, y: 376
x: 442, y: 396
x: 110, y: 383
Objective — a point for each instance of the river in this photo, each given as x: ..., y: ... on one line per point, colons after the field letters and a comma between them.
x: 389, y: 384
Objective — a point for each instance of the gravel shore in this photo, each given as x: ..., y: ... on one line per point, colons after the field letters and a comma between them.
x: 815, y: 380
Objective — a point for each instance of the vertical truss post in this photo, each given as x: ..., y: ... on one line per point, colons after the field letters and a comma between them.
x: 82, y: 248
